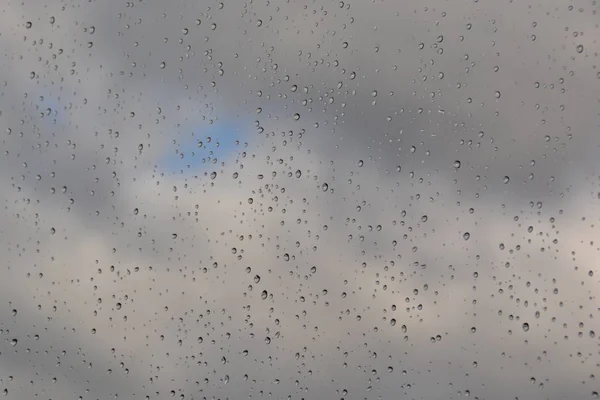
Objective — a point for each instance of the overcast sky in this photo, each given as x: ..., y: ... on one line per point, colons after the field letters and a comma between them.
x: 299, y: 199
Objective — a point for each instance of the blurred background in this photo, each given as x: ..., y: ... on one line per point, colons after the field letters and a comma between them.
x: 294, y: 199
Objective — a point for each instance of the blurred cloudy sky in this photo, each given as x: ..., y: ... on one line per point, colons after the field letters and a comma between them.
x: 299, y: 199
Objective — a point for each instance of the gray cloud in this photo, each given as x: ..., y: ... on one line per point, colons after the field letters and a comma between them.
x: 168, y: 268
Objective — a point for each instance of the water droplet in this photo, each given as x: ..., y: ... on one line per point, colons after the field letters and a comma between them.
x: 466, y: 235
x: 296, y: 117
x: 525, y: 326
x: 456, y: 164
x: 579, y: 48
x: 505, y: 180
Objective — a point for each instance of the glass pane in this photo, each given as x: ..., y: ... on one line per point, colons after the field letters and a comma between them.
x: 299, y: 199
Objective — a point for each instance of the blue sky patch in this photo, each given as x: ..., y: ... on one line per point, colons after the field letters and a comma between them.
x: 196, y: 152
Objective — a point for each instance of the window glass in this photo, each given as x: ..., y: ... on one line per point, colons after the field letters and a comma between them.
x: 293, y: 199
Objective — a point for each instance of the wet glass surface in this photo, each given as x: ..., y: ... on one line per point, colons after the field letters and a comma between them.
x: 299, y: 199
